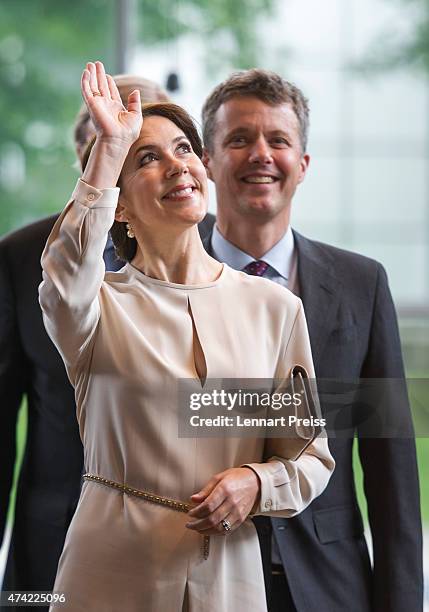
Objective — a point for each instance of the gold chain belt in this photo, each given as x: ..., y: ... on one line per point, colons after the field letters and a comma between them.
x: 173, y: 504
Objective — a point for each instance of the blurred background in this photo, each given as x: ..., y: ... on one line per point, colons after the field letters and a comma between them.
x: 363, y: 64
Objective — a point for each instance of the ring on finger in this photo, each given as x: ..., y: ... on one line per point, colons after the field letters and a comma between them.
x: 226, y: 524
x: 96, y: 93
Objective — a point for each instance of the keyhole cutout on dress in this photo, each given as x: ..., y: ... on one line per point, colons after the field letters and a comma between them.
x: 199, y: 357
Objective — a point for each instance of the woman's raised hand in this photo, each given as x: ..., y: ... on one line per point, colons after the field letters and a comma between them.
x: 112, y: 121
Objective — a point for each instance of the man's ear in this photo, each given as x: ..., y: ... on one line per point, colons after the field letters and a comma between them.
x: 121, y: 212
x: 305, y: 161
x: 206, y: 161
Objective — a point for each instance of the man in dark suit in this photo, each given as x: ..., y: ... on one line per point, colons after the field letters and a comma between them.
x: 30, y: 366
x: 255, y: 128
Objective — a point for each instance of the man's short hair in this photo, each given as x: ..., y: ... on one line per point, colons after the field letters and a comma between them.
x: 263, y: 84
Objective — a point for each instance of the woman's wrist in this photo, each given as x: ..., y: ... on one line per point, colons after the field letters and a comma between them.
x: 116, y: 142
x: 105, y: 162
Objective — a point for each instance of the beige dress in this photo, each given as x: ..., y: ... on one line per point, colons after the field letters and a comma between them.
x: 126, y: 339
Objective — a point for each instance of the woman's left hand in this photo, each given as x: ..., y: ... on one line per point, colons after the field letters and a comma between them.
x: 228, y: 496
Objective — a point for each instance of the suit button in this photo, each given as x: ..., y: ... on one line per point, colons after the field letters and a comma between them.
x: 268, y: 503
x: 90, y: 197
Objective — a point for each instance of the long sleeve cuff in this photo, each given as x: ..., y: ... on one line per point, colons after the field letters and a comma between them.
x: 95, y: 198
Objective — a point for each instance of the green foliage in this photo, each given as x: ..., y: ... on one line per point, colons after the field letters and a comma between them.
x: 44, y: 45
x: 422, y: 446
x: 228, y: 27
x: 21, y: 437
x: 401, y: 47
x: 417, y: 49
x: 418, y: 410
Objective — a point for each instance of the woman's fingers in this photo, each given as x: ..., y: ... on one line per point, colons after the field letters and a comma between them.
x: 201, y: 495
x: 210, y: 501
x: 103, y: 86
x: 232, y: 498
x: 109, y: 115
x: 232, y: 523
x: 230, y: 520
x: 114, y: 92
x: 211, y: 520
x: 93, y: 84
x: 134, y: 103
x: 86, y: 89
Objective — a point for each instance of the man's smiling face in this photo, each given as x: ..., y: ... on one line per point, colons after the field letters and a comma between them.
x: 256, y: 161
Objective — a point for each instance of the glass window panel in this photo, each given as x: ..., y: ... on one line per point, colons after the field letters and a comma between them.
x: 373, y: 20
x: 304, y: 27
x: 316, y: 206
x: 406, y: 266
x: 390, y: 110
x: 322, y: 88
x: 390, y: 191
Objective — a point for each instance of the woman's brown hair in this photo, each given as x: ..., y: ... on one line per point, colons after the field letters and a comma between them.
x: 126, y: 247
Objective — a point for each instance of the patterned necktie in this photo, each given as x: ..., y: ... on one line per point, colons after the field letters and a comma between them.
x: 256, y: 268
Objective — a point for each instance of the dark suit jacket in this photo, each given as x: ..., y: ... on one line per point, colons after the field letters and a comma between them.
x: 353, y: 333
x: 50, y: 479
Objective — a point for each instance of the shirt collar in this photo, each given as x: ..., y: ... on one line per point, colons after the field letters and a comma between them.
x: 279, y: 257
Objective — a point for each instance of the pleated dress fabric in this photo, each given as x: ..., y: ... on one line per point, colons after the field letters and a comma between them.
x: 126, y: 339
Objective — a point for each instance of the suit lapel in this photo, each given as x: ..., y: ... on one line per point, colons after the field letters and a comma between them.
x: 320, y: 292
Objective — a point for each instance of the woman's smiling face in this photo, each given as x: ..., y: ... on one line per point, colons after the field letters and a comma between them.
x: 163, y: 182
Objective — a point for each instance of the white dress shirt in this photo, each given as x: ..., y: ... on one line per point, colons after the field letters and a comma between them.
x: 282, y: 258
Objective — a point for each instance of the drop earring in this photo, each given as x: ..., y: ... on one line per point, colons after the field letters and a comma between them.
x: 130, y: 231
